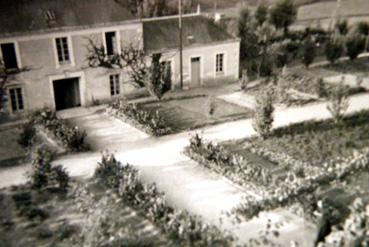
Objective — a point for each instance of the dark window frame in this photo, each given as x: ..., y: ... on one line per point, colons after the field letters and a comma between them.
x: 63, y: 50
x: 16, y: 96
x: 114, y: 83
x: 219, y: 63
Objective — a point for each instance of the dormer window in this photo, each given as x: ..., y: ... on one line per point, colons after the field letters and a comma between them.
x: 49, y: 15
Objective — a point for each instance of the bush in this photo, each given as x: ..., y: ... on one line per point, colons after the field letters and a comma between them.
x: 342, y: 26
x: 338, y: 101
x: 109, y: 171
x: 26, y: 136
x: 71, y: 137
x: 354, y: 45
x: 43, y: 174
x: 320, y: 88
x: 308, y: 52
x: 333, y: 49
x: 263, y: 118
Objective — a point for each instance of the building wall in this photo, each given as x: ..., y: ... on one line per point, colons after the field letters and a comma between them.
x: 207, y: 56
x: 38, y: 55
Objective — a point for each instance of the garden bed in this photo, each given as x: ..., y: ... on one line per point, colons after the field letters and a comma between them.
x: 294, y: 161
x: 56, y: 131
x: 175, y: 115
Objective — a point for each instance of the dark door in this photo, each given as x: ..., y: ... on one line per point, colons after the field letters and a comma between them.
x: 9, y: 56
x: 66, y: 93
x: 195, y: 71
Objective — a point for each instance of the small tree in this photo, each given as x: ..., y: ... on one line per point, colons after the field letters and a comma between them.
x: 355, y: 43
x: 145, y: 70
x: 261, y: 13
x: 283, y: 14
x: 263, y: 118
x: 338, y: 101
x: 249, y: 40
x: 333, y: 49
x: 342, y: 27
x: 308, y: 51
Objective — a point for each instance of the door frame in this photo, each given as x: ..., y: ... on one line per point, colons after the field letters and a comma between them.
x: 81, y: 83
x: 201, y: 68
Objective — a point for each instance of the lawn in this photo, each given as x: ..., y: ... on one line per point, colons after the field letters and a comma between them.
x: 190, y: 113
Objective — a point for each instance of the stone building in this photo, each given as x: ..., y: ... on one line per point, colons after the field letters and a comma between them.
x: 47, y: 40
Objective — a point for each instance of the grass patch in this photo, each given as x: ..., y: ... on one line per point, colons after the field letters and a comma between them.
x: 191, y: 113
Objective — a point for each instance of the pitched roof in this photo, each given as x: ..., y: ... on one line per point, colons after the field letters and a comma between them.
x: 163, y: 33
x: 25, y: 16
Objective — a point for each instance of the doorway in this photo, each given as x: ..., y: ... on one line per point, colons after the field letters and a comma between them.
x: 196, y: 71
x: 66, y: 93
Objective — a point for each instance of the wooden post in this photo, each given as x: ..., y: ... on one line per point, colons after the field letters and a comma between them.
x: 180, y: 44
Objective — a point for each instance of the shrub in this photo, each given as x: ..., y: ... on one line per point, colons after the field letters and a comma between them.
x: 333, y: 49
x: 263, y: 118
x: 71, y: 137
x: 342, y: 26
x: 320, y: 88
x: 109, y: 171
x: 308, y: 52
x: 354, y: 45
x: 43, y: 174
x: 26, y: 136
x: 338, y: 101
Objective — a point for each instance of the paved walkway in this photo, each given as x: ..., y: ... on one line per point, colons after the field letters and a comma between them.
x: 186, y: 184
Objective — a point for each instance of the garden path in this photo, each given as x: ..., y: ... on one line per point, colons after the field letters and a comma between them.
x: 188, y: 185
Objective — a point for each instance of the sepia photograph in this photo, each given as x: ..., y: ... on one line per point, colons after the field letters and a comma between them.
x: 184, y: 123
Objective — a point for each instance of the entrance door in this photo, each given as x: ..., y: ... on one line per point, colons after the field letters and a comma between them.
x: 195, y: 71
x: 66, y: 93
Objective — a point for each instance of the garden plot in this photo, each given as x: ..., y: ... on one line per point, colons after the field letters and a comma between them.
x: 196, y: 112
x: 294, y: 161
x: 175, y: 115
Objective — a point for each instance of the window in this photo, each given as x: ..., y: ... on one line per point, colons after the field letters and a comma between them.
x: 114, y: 85
x: 111, y: 43
x: 9, y: 56
x: 62, y: 50
x: 219, y: 63
x: 16, y: 98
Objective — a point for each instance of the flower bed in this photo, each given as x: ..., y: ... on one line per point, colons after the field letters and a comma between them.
x: 152, y: 124
x: 233, y: 166
x: 70, y: 137
x: 181, y: 227
x: 295, y: 187
x: 317, y: 142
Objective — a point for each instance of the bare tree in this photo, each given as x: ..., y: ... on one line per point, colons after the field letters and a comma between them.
x: 144, y: 70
